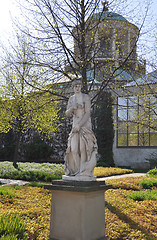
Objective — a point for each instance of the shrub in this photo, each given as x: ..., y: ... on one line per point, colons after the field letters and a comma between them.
x: 35, y: 184
x: 12, y: 226
x: 152, y: 172
x: 102, y: 163
x: 143, y: 195
x: 6, y: 192
x: 148, y: 183
x: 37, y: 150
x: 32, y: 175
x: 103, y: 127
x: 7, y: 151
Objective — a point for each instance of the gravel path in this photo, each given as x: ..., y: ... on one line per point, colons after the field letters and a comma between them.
x: 122, y: 176
x: 12, y: 182
x: 20, y: 182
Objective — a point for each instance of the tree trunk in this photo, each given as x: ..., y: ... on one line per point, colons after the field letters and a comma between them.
x: 16, y: 154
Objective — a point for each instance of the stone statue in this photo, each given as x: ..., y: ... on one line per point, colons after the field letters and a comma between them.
x: 80, y: 158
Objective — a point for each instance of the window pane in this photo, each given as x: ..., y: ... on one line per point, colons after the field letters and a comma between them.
x: 122, y: 127
x: 144, y: 101
x: 153, y: 114
x: 105, y: 47
x: 122, y: 102
x: 144, y: 118
x: 122, y: 115
x: 143, y: 139
x: 122, y: 121
x: 133, y: 114
x: 132, y: 127
x: 144, y: 108
x: 153, y: 102
x: 132, y: 109
x: 143, y: 128
x: 132, y: 101
x: 132, y: 139
x: 122, y: 140
x: 153, y: 139
x: 153, y: 125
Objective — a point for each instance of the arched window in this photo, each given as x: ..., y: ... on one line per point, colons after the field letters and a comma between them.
x: 105, y: 47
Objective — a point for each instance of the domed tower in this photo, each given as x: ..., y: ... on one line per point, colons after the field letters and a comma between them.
x: 113, y: 40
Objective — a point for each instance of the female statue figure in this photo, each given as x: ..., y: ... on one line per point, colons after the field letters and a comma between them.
x: 80, y: 158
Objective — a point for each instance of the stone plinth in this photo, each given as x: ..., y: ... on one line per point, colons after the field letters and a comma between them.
x: 78, y: 178
x: 77, y: 210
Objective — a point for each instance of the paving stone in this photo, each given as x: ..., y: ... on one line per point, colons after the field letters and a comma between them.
x: 12, y: 182
x: 21, y: 182
x: 122, y: 176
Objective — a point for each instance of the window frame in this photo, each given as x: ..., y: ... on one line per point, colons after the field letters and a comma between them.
x: 138, y: 125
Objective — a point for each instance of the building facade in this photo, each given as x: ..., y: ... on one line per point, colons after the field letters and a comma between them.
x: 133, y: 92
x: 135, y: 117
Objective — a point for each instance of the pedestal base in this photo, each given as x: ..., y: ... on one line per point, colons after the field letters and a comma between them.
x: 78, y: 178
x: 77, y: 210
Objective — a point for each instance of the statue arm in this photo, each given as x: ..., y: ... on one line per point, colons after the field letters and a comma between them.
x: 70, y: 108
x: 85, y: 116
x: 87, y: 112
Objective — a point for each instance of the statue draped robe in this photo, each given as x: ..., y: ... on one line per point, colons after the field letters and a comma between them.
x: 73, y: 166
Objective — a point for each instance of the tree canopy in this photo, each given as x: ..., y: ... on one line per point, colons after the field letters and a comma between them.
x: 21, y: 107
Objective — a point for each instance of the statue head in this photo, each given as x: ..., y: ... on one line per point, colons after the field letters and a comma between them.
x: 76, y: 81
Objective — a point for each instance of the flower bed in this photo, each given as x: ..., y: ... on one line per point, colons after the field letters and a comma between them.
x: 125, y: 218
x: 33, y: 205
x: 110, y: 171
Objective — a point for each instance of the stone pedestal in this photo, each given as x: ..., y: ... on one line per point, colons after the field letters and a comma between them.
x: 77, y: 210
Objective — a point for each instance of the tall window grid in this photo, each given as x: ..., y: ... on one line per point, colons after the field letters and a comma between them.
x: 137, y: 121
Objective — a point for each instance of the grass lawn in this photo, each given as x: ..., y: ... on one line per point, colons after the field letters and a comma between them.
x: 46, y: 172
x: 125, y: 218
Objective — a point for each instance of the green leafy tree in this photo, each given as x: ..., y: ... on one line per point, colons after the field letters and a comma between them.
x: 22, y: 108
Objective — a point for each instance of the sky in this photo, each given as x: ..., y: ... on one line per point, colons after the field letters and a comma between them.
x: 9, y: 8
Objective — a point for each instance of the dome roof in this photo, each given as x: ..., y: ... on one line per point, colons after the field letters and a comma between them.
x: 108, y: 15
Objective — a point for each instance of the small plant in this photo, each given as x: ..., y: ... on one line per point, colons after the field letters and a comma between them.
x: 143, y: 195
x: 152, y: 172
x: 16, y: 187
x: 12, y: 226
x: 9, y: 237
x: 148, y: 183
x: 6, y: 192
x: 35, y: 184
